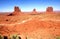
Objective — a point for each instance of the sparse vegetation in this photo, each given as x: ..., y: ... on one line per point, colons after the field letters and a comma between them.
x: 14, y: 36
x: 58, y: 37
x: 1, y: 37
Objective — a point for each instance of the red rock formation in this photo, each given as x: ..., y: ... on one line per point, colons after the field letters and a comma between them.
x: 34, y: 11
x: 49, y: 9
x: 17, y: 11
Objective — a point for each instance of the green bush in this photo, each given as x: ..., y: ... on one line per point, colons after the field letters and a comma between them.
x: 14, y: 36
x: 1, y: 37
x: 58, y: 37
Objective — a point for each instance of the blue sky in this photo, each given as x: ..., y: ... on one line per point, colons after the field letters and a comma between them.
x: 28, y: 5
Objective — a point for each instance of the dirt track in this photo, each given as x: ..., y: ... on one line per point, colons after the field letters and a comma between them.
x: 43, y: 26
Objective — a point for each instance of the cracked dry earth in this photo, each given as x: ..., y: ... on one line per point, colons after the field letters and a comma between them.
x: 42, y: 26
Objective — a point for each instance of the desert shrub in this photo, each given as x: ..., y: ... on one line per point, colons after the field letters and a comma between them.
x: 14, y: 37
x: 1, y: 37
x: 58, y: 37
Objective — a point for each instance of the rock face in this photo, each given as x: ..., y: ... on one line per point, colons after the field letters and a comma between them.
x: 49, y: 9
x: 34, y: 10
x: 16, y: 10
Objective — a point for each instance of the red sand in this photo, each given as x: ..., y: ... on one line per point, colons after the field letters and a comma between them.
x: 45, y: 26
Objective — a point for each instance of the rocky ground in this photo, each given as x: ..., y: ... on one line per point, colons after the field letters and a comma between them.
x: 32, y: 26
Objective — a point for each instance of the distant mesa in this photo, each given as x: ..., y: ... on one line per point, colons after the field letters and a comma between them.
x: 49, y: 9
x: 17, y: 11
x: 34, y: 11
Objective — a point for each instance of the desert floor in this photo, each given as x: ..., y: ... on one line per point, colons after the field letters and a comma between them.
x: 32, y: 26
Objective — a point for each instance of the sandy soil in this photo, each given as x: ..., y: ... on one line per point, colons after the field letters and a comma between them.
x: 40, y: 26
